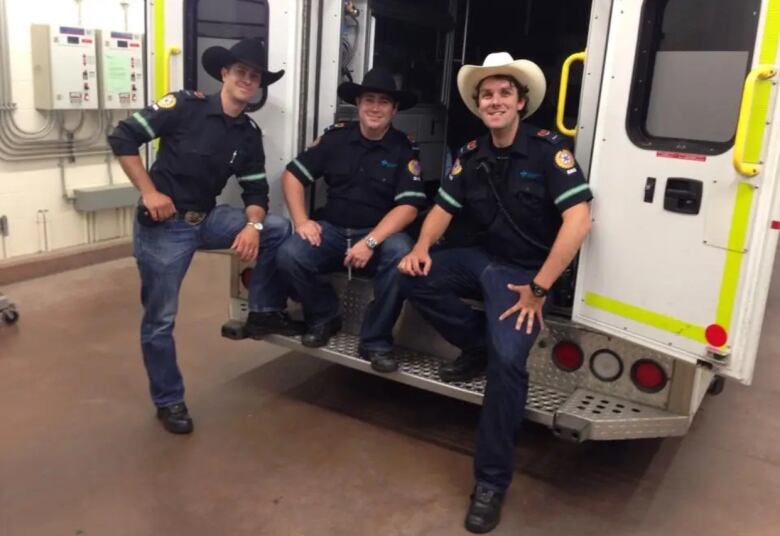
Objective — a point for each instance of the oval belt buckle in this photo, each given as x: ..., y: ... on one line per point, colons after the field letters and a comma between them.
x: 193, y: 218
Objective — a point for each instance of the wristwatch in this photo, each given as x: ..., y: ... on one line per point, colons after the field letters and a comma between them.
x: 539, y: 292
x: 371, y: 242
x: 256, y: 224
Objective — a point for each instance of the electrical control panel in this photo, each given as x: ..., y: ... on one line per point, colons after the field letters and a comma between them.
x: 64, y: 67
x: 121, y: 70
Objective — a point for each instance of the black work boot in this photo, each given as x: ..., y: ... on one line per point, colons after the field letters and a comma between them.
x: 484, y: 510
x: 381, y: 360
x: 258, y: 325
x: 320, y: 335
x: 467, y: 366
x: 175, y: 418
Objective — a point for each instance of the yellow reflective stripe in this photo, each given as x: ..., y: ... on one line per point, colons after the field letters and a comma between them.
x: 763, y: 93
x: 303, y: 169
x: 571, y: 192
x: 734, y: 255
x: 409, y: 193
x: 643, y: 316
x: 159, y: 49
x: 141, y: 121
x: 449, y: 199
x: 255, y: 177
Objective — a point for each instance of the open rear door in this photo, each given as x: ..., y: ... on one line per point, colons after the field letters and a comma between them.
x: 684, y: 172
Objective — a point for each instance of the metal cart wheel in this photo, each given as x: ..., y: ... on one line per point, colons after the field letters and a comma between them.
x: 10, y: 316
x: 716, y: 385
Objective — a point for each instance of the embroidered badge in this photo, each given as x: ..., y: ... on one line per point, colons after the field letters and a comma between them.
x: 457, y: 169
x: 564, y: 159
x: 471, y: 145
x: 168, y: 101
x: 414, y: 167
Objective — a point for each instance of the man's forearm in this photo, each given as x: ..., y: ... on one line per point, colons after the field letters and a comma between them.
x: 394, y: 221
x: 570, y: 237
x: 135, y: 170
x: 436, y: 222
x: 295, y: 196
x: 255, y: 213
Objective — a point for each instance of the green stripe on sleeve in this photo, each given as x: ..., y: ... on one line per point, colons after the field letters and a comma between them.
x: 449, y: 199
x: 570, y: 193
x: 255, y: 177
x: 409, y: 193
x: 141, y: 121
x: 303, y: 169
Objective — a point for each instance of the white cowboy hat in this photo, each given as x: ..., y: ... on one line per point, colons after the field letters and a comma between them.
x: 524, y: 71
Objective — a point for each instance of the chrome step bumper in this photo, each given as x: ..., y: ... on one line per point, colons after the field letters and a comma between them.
x: 576, y: 416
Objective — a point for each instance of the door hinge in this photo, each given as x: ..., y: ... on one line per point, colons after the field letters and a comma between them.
x: 3, y: 225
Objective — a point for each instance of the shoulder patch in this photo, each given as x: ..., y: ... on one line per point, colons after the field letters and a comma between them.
x: 551, y: 137
x: 414, y: 167
x: 457, y: 168
x: 564, y: 159
x: 168, y: 101
x: 469, y: 147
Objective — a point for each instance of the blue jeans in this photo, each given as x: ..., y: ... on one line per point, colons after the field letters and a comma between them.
x: 469, y: 272
x: 163, y: 254
x: 300, y: 262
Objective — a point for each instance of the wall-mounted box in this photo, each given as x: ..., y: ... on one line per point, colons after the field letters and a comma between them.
x: 121, y: 70
x: 64, y: 67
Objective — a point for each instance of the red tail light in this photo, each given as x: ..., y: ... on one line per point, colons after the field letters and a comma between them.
x: 648, y: 376
x: 246, y: 277
x: 567, y: 356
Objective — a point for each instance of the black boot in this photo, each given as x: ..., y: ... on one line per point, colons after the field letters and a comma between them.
x: 381, y: 360
x: 175, y: 418
x: 258, y: 325
x: 320, y: 335
x: 484, y: 510
x: 467, y: 366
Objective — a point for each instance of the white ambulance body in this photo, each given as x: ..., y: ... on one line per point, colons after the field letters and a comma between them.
x: 673, y: 118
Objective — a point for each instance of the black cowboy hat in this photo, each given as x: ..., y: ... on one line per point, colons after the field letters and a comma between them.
x: 250, y: 52
x: 377, y: 80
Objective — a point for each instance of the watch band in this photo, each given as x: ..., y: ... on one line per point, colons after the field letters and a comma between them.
x: 256, y: 224
x: 539, y: 292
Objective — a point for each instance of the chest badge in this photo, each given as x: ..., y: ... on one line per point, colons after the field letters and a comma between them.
x: 564, y: 159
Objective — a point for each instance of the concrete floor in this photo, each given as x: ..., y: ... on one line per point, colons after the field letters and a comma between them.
x: 295, y: 446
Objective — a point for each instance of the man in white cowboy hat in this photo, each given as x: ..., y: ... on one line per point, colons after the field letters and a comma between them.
x: 205, y: 140
x: 374, y: 192
x: 526, y: 192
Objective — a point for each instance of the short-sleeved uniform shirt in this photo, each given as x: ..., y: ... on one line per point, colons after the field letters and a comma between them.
x: 201, y: 148
x: 536, y: 178
x: 366, y: 178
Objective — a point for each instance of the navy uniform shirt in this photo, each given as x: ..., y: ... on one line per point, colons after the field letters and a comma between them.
x: 201, y: 147
x: 536, y: 179
x: 366, y: 178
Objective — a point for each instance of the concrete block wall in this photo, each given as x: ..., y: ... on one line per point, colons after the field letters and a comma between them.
x: 32, y: 194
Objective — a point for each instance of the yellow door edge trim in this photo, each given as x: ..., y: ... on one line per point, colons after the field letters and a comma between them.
x: 646, y: 317
x: 160, y: 58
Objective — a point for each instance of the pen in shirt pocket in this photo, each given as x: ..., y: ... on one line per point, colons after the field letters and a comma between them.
x: 233, y: 158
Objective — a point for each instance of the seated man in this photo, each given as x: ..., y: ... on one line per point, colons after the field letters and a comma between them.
x: 374, y: 191
x: 205, y: 140
x: 531, y: 200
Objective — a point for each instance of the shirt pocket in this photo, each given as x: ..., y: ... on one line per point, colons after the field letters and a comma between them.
x: 481, y: 205
x: 528, y: 197
x: 382, y: 186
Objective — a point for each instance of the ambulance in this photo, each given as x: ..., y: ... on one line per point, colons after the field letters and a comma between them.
x: 671, y: 109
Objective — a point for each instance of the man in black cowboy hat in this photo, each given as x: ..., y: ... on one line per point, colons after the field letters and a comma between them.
x: 374, y: 192
x: 205, y: 140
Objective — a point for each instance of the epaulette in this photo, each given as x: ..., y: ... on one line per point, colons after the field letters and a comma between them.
x: 413, y: 145
x: 194, y: 95
x: 550, y: 137
x: 337, y: 126
x: 468, y: 148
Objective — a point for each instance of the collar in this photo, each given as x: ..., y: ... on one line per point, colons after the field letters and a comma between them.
x: 214, y: 105
x: 356, y: 137
x: 519, y: 145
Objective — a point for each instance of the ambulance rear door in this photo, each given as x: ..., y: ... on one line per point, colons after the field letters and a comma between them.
x: 684, y: 170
